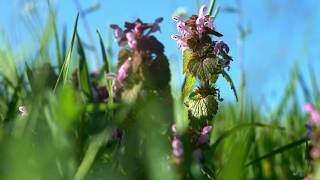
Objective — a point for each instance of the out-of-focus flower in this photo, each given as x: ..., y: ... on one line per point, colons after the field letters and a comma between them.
x: 132, y: 42
x: 221, y: 47
x: 118, y: 32
x: 122, y: 74
x: 314, y: 114
x: 22, y: 110
x: 177, y: 146
x: 204, y: 136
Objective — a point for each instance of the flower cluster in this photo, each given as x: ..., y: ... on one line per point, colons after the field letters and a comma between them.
x: 195, y: 35
x: 142, y: 47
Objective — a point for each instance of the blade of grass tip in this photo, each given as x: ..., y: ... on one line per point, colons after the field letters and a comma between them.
x: 55, y: 35
x: 104, y: 54
x: 216, y: 12
x: 84, y: 79
x: 64, y: 43
x: 29, y: 75
x: 314, y: 84
x: 211, y: 6
x: 106, y: 67
x: 279, y: 150
x: 304, y: 87
x: 90, y: 155
x: 63, y: 76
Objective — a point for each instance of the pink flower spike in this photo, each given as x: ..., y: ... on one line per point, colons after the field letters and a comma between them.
x: 132, y: 42
x: 308, y: 107
x: 315, y: 117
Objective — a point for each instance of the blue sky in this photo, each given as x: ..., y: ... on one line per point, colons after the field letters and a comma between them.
x: 282, y: 32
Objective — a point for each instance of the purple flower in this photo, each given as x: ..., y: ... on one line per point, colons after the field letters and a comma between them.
x: 155, y: 26
x: 118, y: 34
x: 177, y: 147
x: 204, y: 136
x: 132, y: 42
x: 121, y: 76
x: 181, y: 26
x: 201, y: 20
x: 181, y: 44
x: 220, y: 47
x: 314, y: 114
x: 138, y: 28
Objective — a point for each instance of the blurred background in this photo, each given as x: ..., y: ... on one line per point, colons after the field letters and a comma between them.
x: 268, y: 36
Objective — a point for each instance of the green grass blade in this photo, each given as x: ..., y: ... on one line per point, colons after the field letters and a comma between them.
x: 84, y: 79
x: 55, y: 35
x: 106, y: 65
x: 279, y: 150
x: 63, y: 76
x: 188, y: 84
x: 230, y: 82
x: 211, y: 6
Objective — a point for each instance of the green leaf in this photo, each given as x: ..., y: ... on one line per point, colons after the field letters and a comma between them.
x: 188, y: 84
x: 201, y: 108
x: 130, y: 95
x: 230, y: 82
x: 84, y: 79
x: 160, y: 72
x: 187, y: 56
x: 55, y: 35
x: 203, y: 69
x: 279, y: 150
x: 106, y: 66
x: 63, y: 76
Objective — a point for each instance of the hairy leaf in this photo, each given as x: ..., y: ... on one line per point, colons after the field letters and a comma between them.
x: 200, y: 107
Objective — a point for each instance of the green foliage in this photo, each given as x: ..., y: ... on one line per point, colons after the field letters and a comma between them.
x: 203, y: 107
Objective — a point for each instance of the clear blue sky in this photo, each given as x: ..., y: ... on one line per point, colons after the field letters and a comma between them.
x: 283, y: 32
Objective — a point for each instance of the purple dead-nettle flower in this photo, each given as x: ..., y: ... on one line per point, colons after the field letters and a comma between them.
x: 204, y: 136
x: 314, y: 114
x: 118, y: 32
x: 177, y: 147
x: 220, y: 47
x: 201, y: 20
x: 181, y: 26
x: 181, y: 43
x: 132, y: 42
x: 155, y: 26
x: 121, y: 76
x: 138, y: 28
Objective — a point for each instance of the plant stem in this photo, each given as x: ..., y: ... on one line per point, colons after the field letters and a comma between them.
x: 91, y: 153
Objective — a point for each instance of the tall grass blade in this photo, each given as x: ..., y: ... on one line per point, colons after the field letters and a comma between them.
x: 63, y: 76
